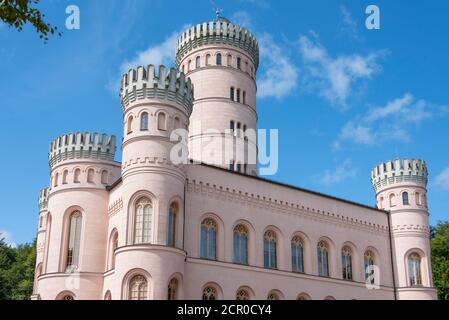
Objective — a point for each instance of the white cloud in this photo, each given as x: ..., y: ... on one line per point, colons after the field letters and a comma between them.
x: 7, y: 237
x: 242, y: 18
x: 335, y: 78
x: 349, y: 24
x: 342, y: 172
x: 442, y: 180
x: 280, y: 75
x: 391, y: 122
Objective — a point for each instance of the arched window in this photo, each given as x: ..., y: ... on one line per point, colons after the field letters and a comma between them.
x: 418, y: 198
x: 183, y: 69
x: 65, y: 174
x: 90, y: 175
x: 107, y: 295
x: 219, y: 59
x: 241, y: 244
x: 303, y: 296
x: 161, y: 121
x: 229, y: 62
x: 104, y: 177
x: 68, y: 297
x: 138, y: 288
x: 297, y: 255
x: 405, y: 200
x: 177, y: 123
x: 171, y: 233
x: 56, y: 179
x: 381, y: 203
x: 143, y: 221
x: 130, y: 125
x: 113, y: 246
x: 189, y: 65
x: 242, y: 295
x: 239, y: 63
x: 74, y: 239
x: 346, y: 261
x: 232, y: 94
x: 172, y: 289
x: 414, y: 269
x: 41, y: 221
x: 208, y: 239
x: 209, y: 293
x: 323, y: 259
x: 144, y: 121
x: 392, y: 200
x: 76, y: 176
x: 369, y: 267
x: 238, y: 95
x: 273, y: 296
x: 208, y: 60
x: 198, y: 62
x: 270, y: 248
x: 424, y: 200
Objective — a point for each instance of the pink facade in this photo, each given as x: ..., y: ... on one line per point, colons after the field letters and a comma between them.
x: 153, y: 228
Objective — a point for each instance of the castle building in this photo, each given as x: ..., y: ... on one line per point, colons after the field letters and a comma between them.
x: 152, y: 228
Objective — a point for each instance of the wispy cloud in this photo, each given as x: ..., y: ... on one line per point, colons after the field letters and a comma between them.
x: 340, y: 173
x: 349, y: 25
x: 442, y: 180
x: 242, y: 18
x: 335, y: 79
x: 8, y: 238
x: 391, y: 122
x: 280, y: 75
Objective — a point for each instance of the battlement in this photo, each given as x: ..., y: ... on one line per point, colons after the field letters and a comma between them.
x: 400, y: 170
x: 43, y: 199
x: 82, y: 146
x: 217, y: 32
x: 169, y: 84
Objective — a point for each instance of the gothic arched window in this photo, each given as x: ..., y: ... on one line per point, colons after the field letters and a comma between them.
x: 270, y: 248
x: 414, y: 269
x: 90, y: 175
x: 104, y: 177
x: 241, y: 244
x: 346, y: 261
x: 76, y: 176
x: 242, y: 295
x: 405, y: 200
x: 209, y: 239
x: 138, y: 288
x: 161, y: 121
x: 143, y: 221
x: 209, y: 293
x: 130, y: 125
x: 144, y: 121
x: 219, y: 59
x: 392, y: 200
x: 74, y: 240
x: 64, y: 176
x: 172, y: 289
x: 171, y: 233
x: 198, y: 62
x: 208, y: 60
x: 323, y: 259
x: 297, y: 255
x: 369, y: 267
x: 239, y: 63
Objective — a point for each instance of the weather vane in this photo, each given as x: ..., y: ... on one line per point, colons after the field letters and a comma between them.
x: 218, y: 11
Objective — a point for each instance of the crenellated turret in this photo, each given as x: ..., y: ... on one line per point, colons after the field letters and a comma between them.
x: 401, y: 188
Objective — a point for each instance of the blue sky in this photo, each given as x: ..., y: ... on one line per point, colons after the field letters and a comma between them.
x: 344, y: 98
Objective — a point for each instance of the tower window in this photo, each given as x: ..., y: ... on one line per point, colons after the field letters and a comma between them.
x: 143, y: 220
x: 219, y: 59
x: 130, y: 125
x: 56, y: 179
x: 239, y: 63
x: 138, y: 288
x: 90, y: 175
x: 172, y: 213
x: 64, y: 176
x: 208, y: 60
x: 238, y: 95
x: 405, y: 199
x: 232, y: 125
x: 239, y: 167
x: 76, y: 176
x: 414, y: 269
x: 246, y: 66
x: 229, y: 60
x: 74, y: 239
x: 104, y: 177
x: 270, y: 250
x: 231, y: 166
x: 232, y: 94
x: 144, y: 121
x: 244, y: 97
x: 172, y: 289
x: 209, y: 239
x: 198, y: 62
x: 161, y: 121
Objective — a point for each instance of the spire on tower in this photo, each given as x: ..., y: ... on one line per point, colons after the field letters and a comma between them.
x: 218, y: 11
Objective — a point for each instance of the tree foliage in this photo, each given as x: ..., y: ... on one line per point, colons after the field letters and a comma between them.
x: 17, y: 13
x: 16, y: 271
x: 440, y: 259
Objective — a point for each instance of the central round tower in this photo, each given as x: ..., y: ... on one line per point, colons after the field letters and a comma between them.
x: 221, y: 59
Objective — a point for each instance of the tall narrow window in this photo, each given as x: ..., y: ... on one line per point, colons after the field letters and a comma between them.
x: 183, y: 69
x: 239, y: 167
x: 246, y: 67
x: 238, y: 95
x: 177, y: 123
x: 130, y: 125
x: 138, y: 288
x: 270, y: 248
x: 161, y: 121
x: 392, y: 200
x: 76, y: 176
x: 232, y: 125
x: 231, y: 166
x: 189, y: 65
x: 232, y: 94
x: 418, y: 198
x: 297, y: 255
x: 209, y: 239
x: 65, y: 174
x: 172, y: 289
x: 244, y: 97
x: 414, y: 270
x: 143, y: 221
x: 209, y: 293
x: 239, y: 63
x: 241, y: 244
x: 369, y: 267
x: 219, y: 59
x: 346, y: 261
x: 405, y: 200
x: 114, y: 246
x: 242, y: 295
x: 144, y: 121
x: 208, y: 60
x: 172, y: 213
x: 56, y: 179
x: 73, y: 247
x: 323, y: 259
x: 198, y: 62
x: 90, y: 175
x: 229, y: 62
